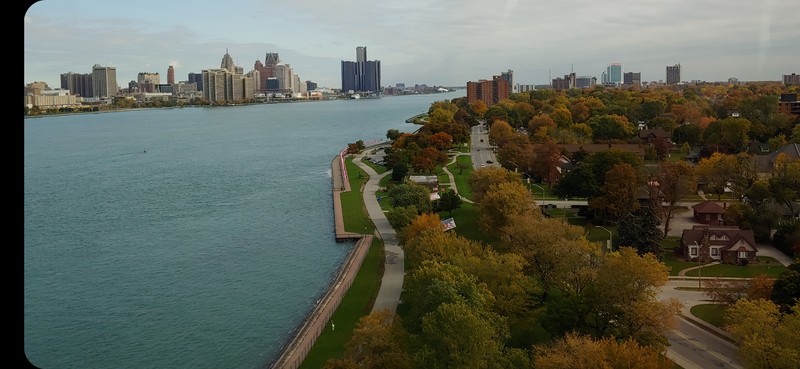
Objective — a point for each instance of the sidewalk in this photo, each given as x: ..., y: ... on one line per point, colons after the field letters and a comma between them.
x: 394, y: 269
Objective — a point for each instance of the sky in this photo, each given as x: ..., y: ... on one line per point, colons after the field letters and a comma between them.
x: 433, y: 42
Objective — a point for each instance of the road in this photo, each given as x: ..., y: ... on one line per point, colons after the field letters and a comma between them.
x: 692, y: 345
x: 481, y: 150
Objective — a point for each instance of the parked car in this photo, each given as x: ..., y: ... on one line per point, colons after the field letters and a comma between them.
x: 489, y: 162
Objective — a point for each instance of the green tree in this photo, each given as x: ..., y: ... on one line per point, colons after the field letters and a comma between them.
x: 676, y: 180
x: 610, y: 127
x: 449, y: 201
x: 401, y: 216
x: 786, y: 289
x: 378, y: 341
x: 618, y: 195
x: 639, y: 229
x: 501, y: 202
x: 410, y: 194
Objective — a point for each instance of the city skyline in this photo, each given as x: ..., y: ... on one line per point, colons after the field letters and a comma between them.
x: 418, y: 42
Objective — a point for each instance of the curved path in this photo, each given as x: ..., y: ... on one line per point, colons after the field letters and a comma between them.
x: 394, y: 267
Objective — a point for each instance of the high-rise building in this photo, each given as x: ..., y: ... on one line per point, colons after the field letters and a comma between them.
x: 569, y: 81
x: 788, y: 79
x: 585, y: 81
x: 171, y: 75
x: 227, y: 63
x: 104, y: 81
x: 197, y: 79
x: 79, y: 84
x: 490, y: 92
x: 614, y: 73
x: 362, y: 75
x: 673, y: 74
x: 147, y: 82
x: 632, y: 78
x: 222, y: 86
x: 509, y: 77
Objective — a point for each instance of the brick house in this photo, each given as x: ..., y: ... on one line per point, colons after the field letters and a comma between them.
x: 729, y: 245
x: 708, y: 212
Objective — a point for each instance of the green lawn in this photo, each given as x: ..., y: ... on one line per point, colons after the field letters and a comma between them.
x: 461, y: 177
x: 354, y: 214
x: 710, y: 313
x: 764, y: 265
x: 356, y: 303
x: 380, y: 169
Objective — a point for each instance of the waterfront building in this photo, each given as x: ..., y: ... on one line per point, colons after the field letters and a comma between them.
x: 197, y: 79
x: 221, y: 86
x: 104, y: 81
x: 673, y: 74
x: 171, y: 75
x: 361, y: 75
x: 79, y: 84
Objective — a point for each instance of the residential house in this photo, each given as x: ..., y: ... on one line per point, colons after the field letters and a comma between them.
x: 765, y: 164
x: 649, y: 136
x: 709, y: 212
x: 729, y: 245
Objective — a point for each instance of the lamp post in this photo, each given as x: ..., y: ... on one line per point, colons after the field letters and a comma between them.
x: 608, y: 246
x: 699, y: 267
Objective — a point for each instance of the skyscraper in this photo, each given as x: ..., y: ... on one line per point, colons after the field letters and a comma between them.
x: 614, y: 73
x: 509, y: 77
x: 77, y: 84
x: 227, y: 63
x: 673, y: 74
x: 171, y: 75
x: 362, y: 75
x: 632, y: 78
x: 104, y: 81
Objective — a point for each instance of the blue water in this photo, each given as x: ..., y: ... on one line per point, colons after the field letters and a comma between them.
x: 185, y: 238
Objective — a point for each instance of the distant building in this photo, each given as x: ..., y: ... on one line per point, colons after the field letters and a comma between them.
x: 632, y: 78
x: 490, y: 92
x: 171, y: 75
x: 585, y: 81
x: 614, y: 74
x: 197, y: 79
x: 566, y: 83
x: 147, y: 82
x: 310, y: 86
x: 227, y: 63
x: 509, y: 77
x: 104, y: 81
x: 673, y: 74
x: 77, y: 84
x: 361, y: 75
x: 38, y: 94
x: 524, y: 88
x: 221, y: 86
x: 791, y: 79
x: 788, y: 104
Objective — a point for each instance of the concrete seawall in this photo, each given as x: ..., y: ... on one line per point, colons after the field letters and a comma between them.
x: 305, y: 337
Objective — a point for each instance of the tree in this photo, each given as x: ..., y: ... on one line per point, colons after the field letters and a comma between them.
x: 500, y: 132
x: 442, y: 141
x: 401, y: 216
x: 786, y: 289
x: 618, y: 195
x: 392, y: 134
x: 399, y: 172
x: 581, y: 351
x: 423, y: 224
x: 378, y: 341
x: 546, y: 158
x: 612, y: 126
x: 639, y: 229
x: 449, y: 201
x: 766, y: 338
x: 427, y: 159
x: 483, y: 178
x: 716, y: 172
x: 785, y: 181
x: 501, y: 202
x: 410, y: 194
x: 676, y: 180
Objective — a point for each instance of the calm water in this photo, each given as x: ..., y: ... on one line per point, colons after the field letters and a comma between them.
x: 185, y: 238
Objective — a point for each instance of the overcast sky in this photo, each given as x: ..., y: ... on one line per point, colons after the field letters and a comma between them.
x: 435, y: 42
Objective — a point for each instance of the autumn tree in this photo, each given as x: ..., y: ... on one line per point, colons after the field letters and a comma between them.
x: 442, y: 141
x: 502, y: 201
x: 483, y: 178
x: 546, y: 158
x: 675, y: 180
x: 582, y: 351
x: 427, y: 159
x: 716, y: 171
x: 618, y: 195
x: 500, y: 132
x: 423, y: 224
x: 766, y: 337
x: 785, y: 181
x: 378, y: 341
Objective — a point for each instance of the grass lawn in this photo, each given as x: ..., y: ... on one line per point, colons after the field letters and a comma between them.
x: 461, y: 177
x: 357, y: 302
x: 676, y: 264
x: 710, y: 313
x: 380, y: 169
x: 354, y: 214
x: 764, y: 265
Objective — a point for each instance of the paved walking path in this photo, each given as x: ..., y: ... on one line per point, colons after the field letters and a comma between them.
x: 452, y: 178
x: 394, y: 268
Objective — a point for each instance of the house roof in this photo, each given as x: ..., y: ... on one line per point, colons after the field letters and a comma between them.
x: 655, y: 132
x: 708, y: 207
x: 765, y: 163
x: 716, y: 235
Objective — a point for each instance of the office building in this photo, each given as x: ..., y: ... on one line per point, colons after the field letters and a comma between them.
x: 585, y: 81
x: 197, y: 79
x: 569, y: 81
x: 147, y: 82
x: 104, y: 81
x: 632, y: 78
x: 490, y: 92
x: 509, y: 77
x: 673, y: 74
x: 171, y: 75
x: 614, y: 74
x: 361, y: 75
x: 227, y: 63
